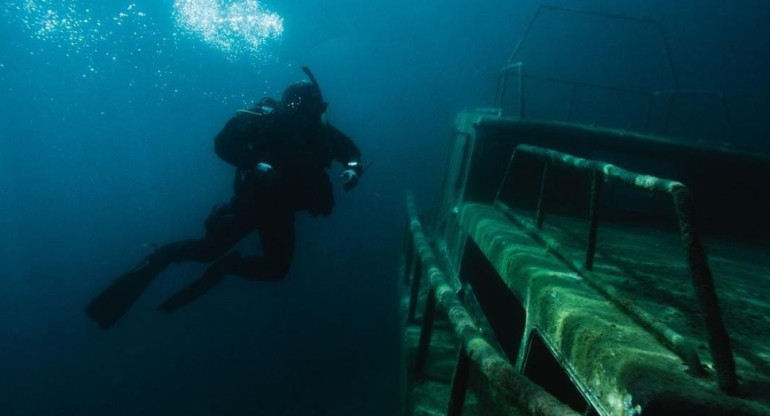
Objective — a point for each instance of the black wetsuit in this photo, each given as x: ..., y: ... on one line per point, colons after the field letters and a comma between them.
x: 300, y: 155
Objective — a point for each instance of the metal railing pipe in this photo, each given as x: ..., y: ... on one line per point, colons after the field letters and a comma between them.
x: 513, y: 386
x: 700, y: 272
x: 668, y: 337
x: 597, y: 178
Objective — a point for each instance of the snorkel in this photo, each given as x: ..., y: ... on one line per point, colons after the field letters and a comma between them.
x: 309, y: 74
x: 317, y: 87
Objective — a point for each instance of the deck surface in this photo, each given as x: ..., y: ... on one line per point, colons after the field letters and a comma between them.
x: 650, y: 266
x: 603, y: 348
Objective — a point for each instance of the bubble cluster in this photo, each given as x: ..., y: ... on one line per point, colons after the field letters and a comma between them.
x: 67, y: 24
x: 94, y: 44
x: 236, y: 27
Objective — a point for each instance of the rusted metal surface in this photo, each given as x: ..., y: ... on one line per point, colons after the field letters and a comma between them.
x: 703, y: 283
x: 512, y: 385
x: 670, y: 338
x: 700, y: 272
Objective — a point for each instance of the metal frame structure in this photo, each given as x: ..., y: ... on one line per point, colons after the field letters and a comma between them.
x: 670, y: 95
x: 700, y: 272
x: 514, y: 387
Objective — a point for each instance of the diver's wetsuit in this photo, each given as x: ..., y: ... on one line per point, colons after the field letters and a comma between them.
x: 300, y: 157
x: 299, y: 152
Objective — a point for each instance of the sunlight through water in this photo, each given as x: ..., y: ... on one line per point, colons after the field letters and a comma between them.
x: 236, y: 27
x: 92, y: 42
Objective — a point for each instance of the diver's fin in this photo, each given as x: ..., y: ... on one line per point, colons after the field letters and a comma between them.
x: 213, y: 275
x: 114, y: 301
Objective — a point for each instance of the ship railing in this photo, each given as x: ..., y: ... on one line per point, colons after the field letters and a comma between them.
x: 671, y: 96
x: 515, y: 68
x: 516, y: 388
x: 700, y: 272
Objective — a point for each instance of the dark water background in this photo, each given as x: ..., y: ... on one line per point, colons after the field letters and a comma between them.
x: 100, y: 156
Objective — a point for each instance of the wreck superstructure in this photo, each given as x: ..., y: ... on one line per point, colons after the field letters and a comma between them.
x: 577, y: 269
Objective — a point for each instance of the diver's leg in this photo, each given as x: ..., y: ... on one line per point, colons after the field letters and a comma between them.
x: 224, y: 231
x: 213, y: 275
x: 277, y: 237
x: 224, y: 228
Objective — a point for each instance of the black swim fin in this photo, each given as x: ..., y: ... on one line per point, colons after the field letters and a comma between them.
x: 113, y: 302
x: 213, y: 275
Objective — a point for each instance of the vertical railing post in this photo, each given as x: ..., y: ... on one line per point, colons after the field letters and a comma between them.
x: 597, y: 178
x: 541, y: 196
x: 408, y: 254
x: 459, y: 384
x: 705, y: 292
x: 415, y: 289
x: 425, y: 334
x: 502, y: 80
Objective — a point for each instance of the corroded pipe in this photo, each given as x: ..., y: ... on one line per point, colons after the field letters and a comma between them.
x: 703, y: 283
x: 513, y: 386
x: 702, y: 280
x: 670, y: 338
x: 597, y: 178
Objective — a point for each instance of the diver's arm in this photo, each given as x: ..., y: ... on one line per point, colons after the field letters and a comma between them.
x: 346, y: 152
x: 237, y: 144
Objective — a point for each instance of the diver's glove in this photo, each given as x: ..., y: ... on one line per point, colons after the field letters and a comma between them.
x: 349, y: 179
x: 265, y: 173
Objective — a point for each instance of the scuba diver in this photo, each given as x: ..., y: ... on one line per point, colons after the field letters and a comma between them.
x: 281, y: 151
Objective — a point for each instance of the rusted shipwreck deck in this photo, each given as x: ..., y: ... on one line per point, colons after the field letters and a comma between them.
x: 553, y: 282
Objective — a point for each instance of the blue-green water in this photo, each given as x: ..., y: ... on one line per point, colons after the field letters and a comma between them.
x: 108, y: 111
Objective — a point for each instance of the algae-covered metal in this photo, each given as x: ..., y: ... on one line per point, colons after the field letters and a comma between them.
x: 563, y: 277
x: 498, y: 371
x: 699, y: 269
x: 599, y: 317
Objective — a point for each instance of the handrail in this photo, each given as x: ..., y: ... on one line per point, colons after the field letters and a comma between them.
x: 502, y: 81
x: 718, y: 95
x: 654, y: 23
x: 648, y: 95
x: 702, y: 280
x: 513, y: 386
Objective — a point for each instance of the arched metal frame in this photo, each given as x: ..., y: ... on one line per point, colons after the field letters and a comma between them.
x: 518, y: 68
